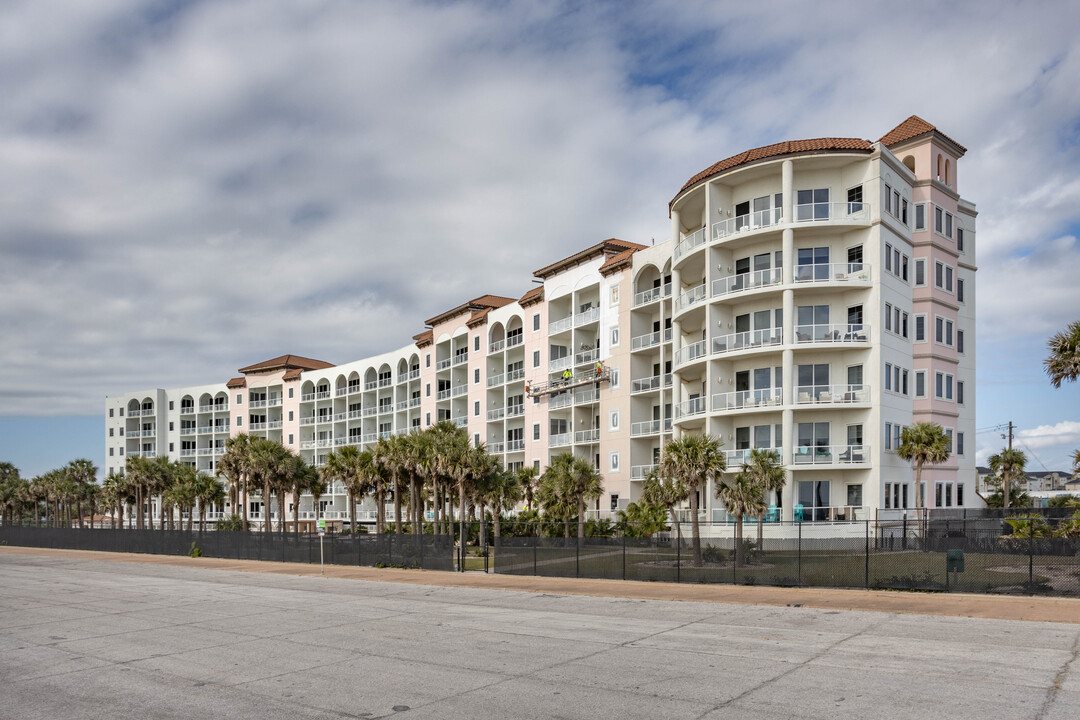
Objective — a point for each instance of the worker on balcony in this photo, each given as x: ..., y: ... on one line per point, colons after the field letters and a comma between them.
x: 567, y: 375
x: 599, y: 368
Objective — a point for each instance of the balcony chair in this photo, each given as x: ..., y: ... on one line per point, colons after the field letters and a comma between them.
x: 797, y: 514
x: 773, y: 514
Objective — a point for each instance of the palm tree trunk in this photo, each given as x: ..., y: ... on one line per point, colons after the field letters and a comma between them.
x: 296, y: 514
x: 281, y: 512
x: 760, y: 530
x: 397, y: 504
x: 739, y: 559
x: 461, y: 527
x: 266, y: 507
x: 581, y: 521
x: 1006, y: 489
x: 695, y: 529
x: 352, y: 513
x: 677, y: 538
x: 380, y: 510
x: 244, y: 502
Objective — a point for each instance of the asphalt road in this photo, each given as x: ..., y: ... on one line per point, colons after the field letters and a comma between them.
x: 84, y: 638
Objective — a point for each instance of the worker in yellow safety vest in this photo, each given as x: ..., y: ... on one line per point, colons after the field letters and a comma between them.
x: 566, y: 375
x: 599, y: 368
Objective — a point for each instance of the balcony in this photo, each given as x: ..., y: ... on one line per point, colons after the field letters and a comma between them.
x: 495, y: 380
x: 587, y: 397
x: 370, y: 411
x: 273, y: 425
x: 353, y: 414
x: 747, y: 399
x: 561, y: 325
x: 187, y: 431
x: 560, y: 364
x: 760, y: 220
x: 443, y: 394
x: 515, y: 375
x: 515, y: 411
x: 411, y: 375
x: 443, y: 364
x: 324, y: 417
x: 689, y: 243
x: 588, y: 357
x: 256, y: 404
x: 587, y: 437
x: 645, y: 385
x: 832, y: 394
x: 461, y: 420
x: 690, y: 297
x: 307, y: 397
x: 496, y: 448
x: 187, y: 410
x: 459, y: 390
x: 515, y: 446
x: 690, y: 408
x: 310, y: 420
x: 747, y: 340
x: 385, y: 407
x: 369, y: 385
x: 496, y: 346
x: 645, y: 341
x: 341, y: 391
x: 560, y: 440
x: 833, y: 272
x: 206, y: 429
x: 368, y: 438
x: 514, y: 340
x: 747, y: 281
x: 496, y: 414
x: 647, y: 427
x: 187, y: 452
x: 307, y: 445
x: 385, y: 382
x: 274, y: 400
x: 589, y: 316
x: 842, y: 212
x: 556, y: 402
x: 322, y: 394
x: 736, y: 458
x: 837, y: 333
x: 831, y: 455
x: 640, y: 472
x: 220, y: 407
x: 646, y: 297
x: 414, y: 402
x: 461, y: 358
x: 257, y: 426
x: 692, y: 352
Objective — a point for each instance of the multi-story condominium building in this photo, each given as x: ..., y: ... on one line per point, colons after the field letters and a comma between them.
x: 815, y: 297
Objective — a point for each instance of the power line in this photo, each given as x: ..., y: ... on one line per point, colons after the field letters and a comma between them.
x: 1032, y: 453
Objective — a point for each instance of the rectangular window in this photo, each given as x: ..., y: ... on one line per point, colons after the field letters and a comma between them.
x: 121, y: 412
x: 888, y: 257
x: 920, y: 216
x: 290, y: 416
x: 948, y: 224
x: 170, y: 447
x: 614, y: 378
x: 614, y: 420
x: 536, y: 431
x: 290, y: 393
x: 959, y: 238
x: 476, y: 375
x: 920, y: 272
x: 290, y: 439
x: 960, y: 494
x: 427, y: 360
x: 111, y: 431
x: 476, y: 343
x: 476, y: 408
x: 888, y: 436
x: 939, y: 218
x: 536, y: 322
x: 614, y: 337
x: 903, y: 268
x: 614, y: 294
x: 111, y: 452
x: 615, y: 462
x: 939, y: 385
x: 888, y: 199
x: 939, y: 275
x: 888, y: 316
x: 239, y: 420
x: 121, y: 432
x: 904, y: 325
x: 239, y: 399
x: 904, y: 212
x: 170, y: 426
x: 960, y: 443
x: 110, y: 412
x: 920, y: 383
x: 903, y: 382
x: 536, y: 357
x: 428, y: 390
x: 427, y: 419
x: 939, y: 330
x: 920, y: 328
x: 959, y: 290
x: 960, y: 341
x: 170, y: 404
x: 960, y: 393
x: 948, y: 278
x: 888, y: 376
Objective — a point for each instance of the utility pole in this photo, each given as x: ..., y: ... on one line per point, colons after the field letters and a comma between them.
x: 1005, y: 486
x: 1010, y: 434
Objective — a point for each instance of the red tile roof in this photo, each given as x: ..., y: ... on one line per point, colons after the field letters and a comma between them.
x: 425, y: 338
x: 788, y: 147
x: 478, y: 317
x: 293, y: 374
x: 287, y: 361
x: 484, y: 301
x: 914, y: 126
x: 236, y: 383
x: 611, y: 246
x: 617, y: 262
x: 533, y: 295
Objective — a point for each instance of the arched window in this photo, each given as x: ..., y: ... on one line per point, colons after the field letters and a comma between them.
x: 940, y: 166
x: 947, y: 174
x: 910, y: 162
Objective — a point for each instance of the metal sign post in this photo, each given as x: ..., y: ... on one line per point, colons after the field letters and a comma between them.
x: 322, y: 533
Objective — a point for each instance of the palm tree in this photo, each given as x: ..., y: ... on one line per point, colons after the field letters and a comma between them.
x: 351, y: 467
x: 1063, y: 364
x: 137, y: 471
x: 235, y: 466
x: 83, y: 473
x: 527, y: 477
x: 11, y: 492
x: 114, y: 491
x: 1076, y: 463
x: 554, y: 492
x: 694, y: 460
x: 742, y: 495
x: 302, y: 478
x: 665, y: 492
x: 317, y: 484
x: 208, y: 491
x: 585, y: 484
x: 763, y: 468
x: 393, y: 455
x: 269, y: 460
x: 503, y: 493
x: 920, y: 444
x: 1007, y: 464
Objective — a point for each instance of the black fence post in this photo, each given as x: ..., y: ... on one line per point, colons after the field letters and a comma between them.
x: 678, y: 557
x: 624, y: 551
x: 867, y: 554
x: 1031, y: 554
x: 577, y: 557
x: 798, y: 555
x: 536, y: 540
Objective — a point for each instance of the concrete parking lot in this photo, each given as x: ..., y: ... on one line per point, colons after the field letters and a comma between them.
x: 88, y: 638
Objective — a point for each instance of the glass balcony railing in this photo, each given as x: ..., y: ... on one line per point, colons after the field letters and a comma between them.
x: 747, y: 340
x: 831, y: 455
x: 832, y: 394
x: 690, y: 297
x: 832, y: 211
x: 746, y: 223
x: 849, y: 332
x: 747, y: 281
x: 690, y: 408
x: 692, y: 352
x: 833, y: 272
x: 646, y: 427
x: 689, y: 243
x: 746, y: 399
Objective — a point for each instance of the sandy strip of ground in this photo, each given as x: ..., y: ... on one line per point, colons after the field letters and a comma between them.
x: 1003, y: 607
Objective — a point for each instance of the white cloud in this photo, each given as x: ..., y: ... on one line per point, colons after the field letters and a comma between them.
x: 191, y: 189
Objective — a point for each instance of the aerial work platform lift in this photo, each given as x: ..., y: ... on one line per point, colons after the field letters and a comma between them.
x: 591, y: 377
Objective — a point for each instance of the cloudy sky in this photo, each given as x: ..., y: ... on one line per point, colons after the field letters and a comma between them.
x: 189, y: 187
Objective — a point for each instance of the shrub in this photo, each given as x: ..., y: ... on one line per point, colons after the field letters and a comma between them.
x: 233, y: 522
x: 195, y: 551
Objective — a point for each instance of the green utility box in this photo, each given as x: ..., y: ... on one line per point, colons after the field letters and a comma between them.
x: 956, y: 560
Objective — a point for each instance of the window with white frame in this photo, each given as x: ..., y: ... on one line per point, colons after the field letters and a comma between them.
x: 959, y: 392
x: 939, y: 220
x: 615, y: 336
x: 896, y: 262
x: 959, y: 238
x: 949, y: 440
x: 614, y: 294
x: 943, y: 386
x: 920, y: 216
x: 959, y: 290
x: 920, y: 383
x: 613, y: 460
x: 943, y: 331
x: 888, y: 437
x: 614, y: 378
x: 959, y: 443
x: 536, y: 322
x: 613, y: 420
x: 920, y: 328
x: 960, y: 341
x: 920, y: 272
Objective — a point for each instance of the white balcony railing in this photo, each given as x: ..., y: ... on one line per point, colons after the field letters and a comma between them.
x: 461, y: 420
x: 273, y: 425
x: 688, y: 243
x: 257, y: 426
x: 496, y: 346
x: 495, y: 380
x: 561, y: 325
x: 560, y: 364
x: 402, y: 405
x: 836, y: 333
x: 644, y: 341
x: 442, y: 394
x: 648, y: 296
x: 747, y: 281
x: 746, y: 223
x: 692, y: 352
x: 690, y: 408
x: 221, y: 407
x: 371, y: 385
x: 459, y: 390
x: 461, y: 358
x: 565, y: 399
x: 322, y: 394
x: 496, y: 414
x: 833, y: 272
x: 587, y: 436
x: 496, y: 448
x: 515, y: 375
x: 515, y: 446
x: 514, y: 340
x: 589, y: 316
x: 307, y: 397
x: 187, y: 452
x: 646, y: 427
x: 309, y: 420
x: 747, y: 340
x: 414, y: 402
x: 443, y: 364
x: 746, y: 399
x: 257, y: 404
x: 640, y: 472
x: 187, y: 431
x: 515, y: 411
x: 560, y: 440
x: 588, y: 357
x: 832, y: 211
x: 736, y: 458
x: 586, y: 397
x: 371, y: 411
x: 831, y: 454
x: 645, y: 384
x: 690, y: 297
x: 187, y: 410
x: 832, y: 394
